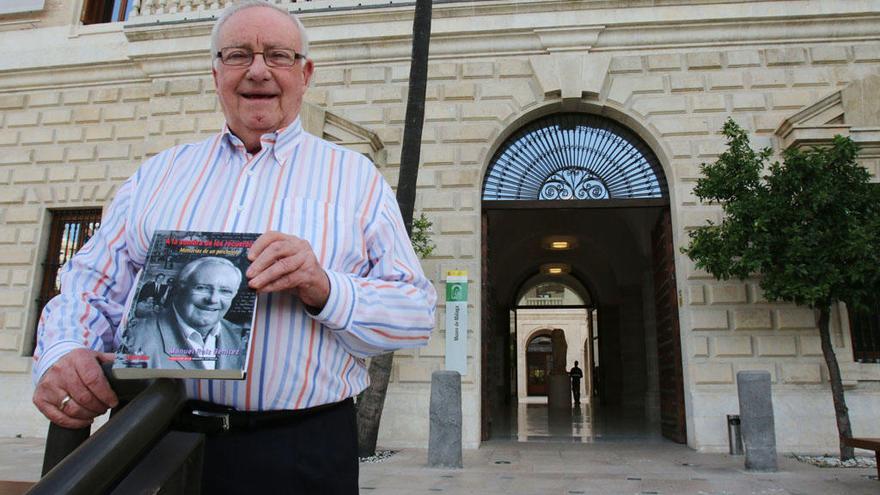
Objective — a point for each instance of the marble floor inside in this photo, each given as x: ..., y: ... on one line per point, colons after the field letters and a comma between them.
x: 585, y: 423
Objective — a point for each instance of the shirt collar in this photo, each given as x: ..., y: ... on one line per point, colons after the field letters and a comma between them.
x: 280, y: 143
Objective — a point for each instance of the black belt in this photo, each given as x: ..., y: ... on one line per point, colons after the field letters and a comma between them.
x: 209, y: 418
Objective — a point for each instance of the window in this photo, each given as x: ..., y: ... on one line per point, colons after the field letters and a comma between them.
x: 865, y: 332
x: 69, y: 230
x: 101, y: 11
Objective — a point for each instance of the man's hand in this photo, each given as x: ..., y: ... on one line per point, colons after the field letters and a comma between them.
x: 281, y: 262
x: 77, y: 375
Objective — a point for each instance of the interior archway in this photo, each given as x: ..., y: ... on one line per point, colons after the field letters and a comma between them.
x: 580, y: 201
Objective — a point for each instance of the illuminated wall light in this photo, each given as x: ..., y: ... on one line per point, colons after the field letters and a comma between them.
x: 559, y: 245
x: 554, y: 271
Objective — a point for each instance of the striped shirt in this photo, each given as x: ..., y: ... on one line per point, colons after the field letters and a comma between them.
x: 297, y: 184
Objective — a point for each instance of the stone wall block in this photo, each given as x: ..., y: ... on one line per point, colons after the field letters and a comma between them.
x: 751, y: 319
x: 465, y: 133
x: 29, y: 175
x: 704, y: 60
x: 349, y: 96
x: 50, y: 154
x: 26, y: 118
x: 64, y: 173
x: 179, y: 125
x: 738, y: 346
x: 743, y: 58
x: 8, y: 235
x: 699, y: 346
x: 15, y: 256
x: 442, y: 70
x: 727, y: 294
x: 785, y: 56
x: 708, y: 102
x: 329, y: 77
x: 99, y: 133
x: 39, y: 135
x: 514, y: 68
x: 361, y: 75
x: 87, y: 115
x: 437, y: 200
x: 8, y: 137
x: 769, y: 122
x: 11, y: 102
x: 748, y: 101
x: 12, y: 297
x: 810, y: 345
x: 829, y: 54
x: 769, y: 78
x: 457, y: 224
x: 8, y: 341
x: 664, y: 62
x: 709, y: 319
x: 726, y: 80
x: 748, y: 365
x: 184, y: 87
x: 710, y: 148
x: 105, y: 95
x: 44, y: 99
x: 686, y: 82
x: 165, y: 106
x: 457, y: 178
x: 387, y: 94
x: 801, y: 373
x: 776, y: 345
x: 660, y: 106
x: 811, y: 77
x: 435, y: 154
x: 92, y: 171
x: 712, y: 373
x: 472, y: 70
x: 459, y: 91
x: 11, y: 194
x: 81, y: 152
x: 487, y: 110
x: 14, y: 319
x: 75, y: 96
x: 137, y: 93
x: 119, y: 112
x: 628, y: 64
x: 866, y: 53
x: 23, y: 214
x: 795, y: 318
x: 131, y: 130
x: 682, y: 126
x: 56, y: 116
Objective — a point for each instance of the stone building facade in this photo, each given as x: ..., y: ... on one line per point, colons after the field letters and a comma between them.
x: 81, y: 106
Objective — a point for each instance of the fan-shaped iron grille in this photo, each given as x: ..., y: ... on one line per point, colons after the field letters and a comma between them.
x: 574, y: 156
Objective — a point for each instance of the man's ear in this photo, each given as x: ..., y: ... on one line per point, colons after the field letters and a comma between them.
x: 308, y: 72
x: 214, y: 74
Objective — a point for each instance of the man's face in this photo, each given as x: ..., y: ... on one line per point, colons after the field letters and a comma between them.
x: 205, y: 298
x: 260, y: 99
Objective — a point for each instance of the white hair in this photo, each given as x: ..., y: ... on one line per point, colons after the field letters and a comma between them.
x: 187, y: 271
x: 237, y: 7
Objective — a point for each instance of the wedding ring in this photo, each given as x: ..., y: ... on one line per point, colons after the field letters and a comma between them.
x: 64, y: 402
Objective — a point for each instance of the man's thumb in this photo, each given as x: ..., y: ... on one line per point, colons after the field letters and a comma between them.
x: 106, y: 357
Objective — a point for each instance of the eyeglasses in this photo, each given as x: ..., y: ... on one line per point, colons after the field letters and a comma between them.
x: 244, y: 57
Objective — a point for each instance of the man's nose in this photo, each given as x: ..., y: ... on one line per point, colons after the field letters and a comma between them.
x: 258, y: 69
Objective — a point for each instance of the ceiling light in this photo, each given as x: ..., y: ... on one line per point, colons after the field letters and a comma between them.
x: 554, y: 271
x: 559, y: 245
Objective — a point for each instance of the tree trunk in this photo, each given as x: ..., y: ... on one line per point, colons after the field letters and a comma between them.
x: 841, y: 412
x: 372, y: 401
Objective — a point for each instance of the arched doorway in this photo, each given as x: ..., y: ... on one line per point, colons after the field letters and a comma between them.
x: 581, y: 196
x: 539, y: 362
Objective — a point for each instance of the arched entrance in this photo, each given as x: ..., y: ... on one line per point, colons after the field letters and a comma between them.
x: 539, y: 362
x: 580, y: 196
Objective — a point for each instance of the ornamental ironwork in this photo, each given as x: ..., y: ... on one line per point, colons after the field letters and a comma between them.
x: 574, y: 157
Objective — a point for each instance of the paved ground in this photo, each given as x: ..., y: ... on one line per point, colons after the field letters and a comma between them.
x: 510, y: 468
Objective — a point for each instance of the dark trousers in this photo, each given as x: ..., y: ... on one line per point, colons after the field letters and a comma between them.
x: 313, y: 454
x: 576, y: 391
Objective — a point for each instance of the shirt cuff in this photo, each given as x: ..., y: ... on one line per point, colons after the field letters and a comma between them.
x: 339, y: 309
x: 51, y: 356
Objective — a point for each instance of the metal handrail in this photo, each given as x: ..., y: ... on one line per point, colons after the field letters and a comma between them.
x: 105, y: 457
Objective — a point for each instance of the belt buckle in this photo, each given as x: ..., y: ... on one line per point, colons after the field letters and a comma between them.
x: 223, y: 417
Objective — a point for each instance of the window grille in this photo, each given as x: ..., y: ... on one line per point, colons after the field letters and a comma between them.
x: 865, y: 332
x: 69, y: 230
x: 574, y: 156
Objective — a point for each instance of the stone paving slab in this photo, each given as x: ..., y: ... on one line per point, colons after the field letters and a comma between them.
x: 559, y: 469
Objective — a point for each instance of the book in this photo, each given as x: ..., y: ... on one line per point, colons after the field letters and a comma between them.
x: 192, y: 311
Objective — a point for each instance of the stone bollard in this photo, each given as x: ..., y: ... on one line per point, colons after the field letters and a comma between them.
x: 756, y: 416
x: 444, y: 442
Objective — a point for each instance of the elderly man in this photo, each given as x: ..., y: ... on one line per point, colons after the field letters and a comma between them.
x: 336, y: 274
x: 192, y: 333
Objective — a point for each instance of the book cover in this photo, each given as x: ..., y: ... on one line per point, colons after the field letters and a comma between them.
x: 192, y: 311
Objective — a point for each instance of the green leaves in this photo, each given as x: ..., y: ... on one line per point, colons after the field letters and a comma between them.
x: 810, y: 226
x: 421, y: 236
